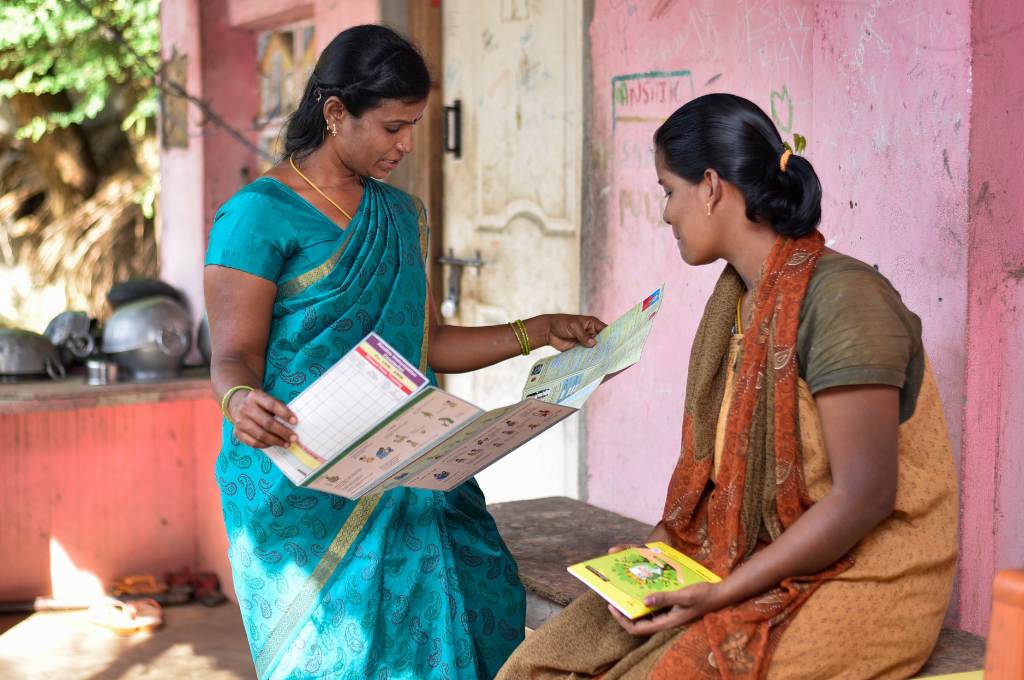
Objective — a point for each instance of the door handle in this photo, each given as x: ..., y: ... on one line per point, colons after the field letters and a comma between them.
x: 452, y: 128
x: 450, y: 306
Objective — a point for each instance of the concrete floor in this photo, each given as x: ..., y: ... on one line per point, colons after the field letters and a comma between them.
x: 209, y: 644
x: 194, y: 642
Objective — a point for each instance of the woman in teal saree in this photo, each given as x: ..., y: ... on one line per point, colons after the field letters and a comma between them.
x: 301, y: 265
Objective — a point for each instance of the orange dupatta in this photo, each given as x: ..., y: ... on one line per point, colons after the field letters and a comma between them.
x: 759, y: 489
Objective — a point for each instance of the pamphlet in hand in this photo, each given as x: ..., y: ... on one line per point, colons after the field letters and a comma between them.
x: 372, y: 421
x: 569, y: 378
x: 625, y: 578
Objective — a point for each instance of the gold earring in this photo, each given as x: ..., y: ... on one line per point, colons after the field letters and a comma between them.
x: 334, y: 131
x: 709, y: 208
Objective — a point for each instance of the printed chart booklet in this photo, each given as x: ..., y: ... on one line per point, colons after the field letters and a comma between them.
x: 625, y: 578
x: 372, y: 421
x: 569, y: 378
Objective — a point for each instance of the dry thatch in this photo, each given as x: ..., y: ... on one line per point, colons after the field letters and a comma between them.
x: 103, y: 240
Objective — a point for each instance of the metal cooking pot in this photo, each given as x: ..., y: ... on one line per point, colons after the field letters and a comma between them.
x: 24, y: 355
x: 203, y: 339
x: 71, y: 334
x: 149, y: 338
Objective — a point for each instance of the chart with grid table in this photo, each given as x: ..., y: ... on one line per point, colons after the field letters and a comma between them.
x: 349, y: 399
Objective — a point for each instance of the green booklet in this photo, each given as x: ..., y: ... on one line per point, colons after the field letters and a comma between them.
x: 625, y: 578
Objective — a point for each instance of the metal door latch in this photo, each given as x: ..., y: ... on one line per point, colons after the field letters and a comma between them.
x: 450, y: 306
x: 451, y: 128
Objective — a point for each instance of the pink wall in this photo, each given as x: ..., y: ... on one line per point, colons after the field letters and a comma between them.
x: 992, y: 469
x: 807, y: 67
x: 97, y: 493
x: 882, y: 91
x: 334, y: 16
x: 648, y: 59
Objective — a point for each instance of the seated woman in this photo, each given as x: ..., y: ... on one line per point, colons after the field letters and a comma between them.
x: 815, y: 476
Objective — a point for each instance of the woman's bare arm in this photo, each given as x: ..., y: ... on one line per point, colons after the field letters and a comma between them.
x: 458, y: 349
x: 860, y: 425
x: 238, y: 306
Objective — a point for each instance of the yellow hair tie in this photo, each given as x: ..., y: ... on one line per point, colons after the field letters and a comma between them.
x: 784, y: 160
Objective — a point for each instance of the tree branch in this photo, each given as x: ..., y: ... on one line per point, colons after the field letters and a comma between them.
x: 168, y: 86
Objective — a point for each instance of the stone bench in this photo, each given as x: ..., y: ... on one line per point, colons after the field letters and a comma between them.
x: 548, y: 534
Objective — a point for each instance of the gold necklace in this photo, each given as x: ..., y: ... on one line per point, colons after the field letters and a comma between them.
x: 291, y: 161
x: 739, y: 316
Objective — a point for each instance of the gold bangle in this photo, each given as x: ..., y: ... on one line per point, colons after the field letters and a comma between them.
x: 227, y: 397
x: 519, y: 337
x: 526, y: 338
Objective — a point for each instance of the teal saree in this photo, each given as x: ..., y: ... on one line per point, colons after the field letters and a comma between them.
x: 405, y: 584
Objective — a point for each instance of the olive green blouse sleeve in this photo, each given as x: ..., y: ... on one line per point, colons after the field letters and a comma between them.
x: 855, y: 330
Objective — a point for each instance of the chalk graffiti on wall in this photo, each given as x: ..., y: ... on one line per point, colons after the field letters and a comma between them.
x: 782, y: 110
x: 640, y: 103
x: 650, y: 96
x: 869, y: 34
x: 642, y: 206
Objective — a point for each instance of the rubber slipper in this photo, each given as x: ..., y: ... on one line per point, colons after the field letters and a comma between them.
x: 127, y: 618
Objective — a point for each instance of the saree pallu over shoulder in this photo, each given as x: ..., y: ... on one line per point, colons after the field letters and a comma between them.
x: 329, y: 586
x: 759, y: 490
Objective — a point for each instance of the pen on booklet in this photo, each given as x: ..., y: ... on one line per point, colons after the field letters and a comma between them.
x: 598, y: 574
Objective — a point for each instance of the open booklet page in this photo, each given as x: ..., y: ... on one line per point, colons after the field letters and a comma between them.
x: 480, y: 444
x: 398, y: 441
x: 571, y: 377
x: 372, y: 421
x: 352, y: 397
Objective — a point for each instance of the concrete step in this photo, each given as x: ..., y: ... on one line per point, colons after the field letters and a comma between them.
x: 547, y: 534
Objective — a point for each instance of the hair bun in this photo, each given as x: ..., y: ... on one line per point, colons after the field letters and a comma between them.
x: 738, y: 140
x: 791, y: 198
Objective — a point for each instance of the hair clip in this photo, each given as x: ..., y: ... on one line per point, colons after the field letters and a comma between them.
x: 798, y: 146
x: 784, y: 160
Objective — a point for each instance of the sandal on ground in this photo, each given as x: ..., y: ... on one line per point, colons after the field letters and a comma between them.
x: 207, y: 589
x: 127, y: 618
x: 139, y: 585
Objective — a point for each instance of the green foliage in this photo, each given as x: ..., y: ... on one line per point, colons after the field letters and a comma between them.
x: 53, y: 46
x: 798, y: 145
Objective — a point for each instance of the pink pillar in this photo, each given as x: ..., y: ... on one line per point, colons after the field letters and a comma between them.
x: 181, y: 211
x: 195, y: 180
x: 232, y: 84
x: 992, y: 465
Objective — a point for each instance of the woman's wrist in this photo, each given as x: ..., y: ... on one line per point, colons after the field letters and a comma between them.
x: 235, y: 401
x: 538, y: 330
x: 732, y: 590
x: 659, y: 533
x: 721, y: 596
